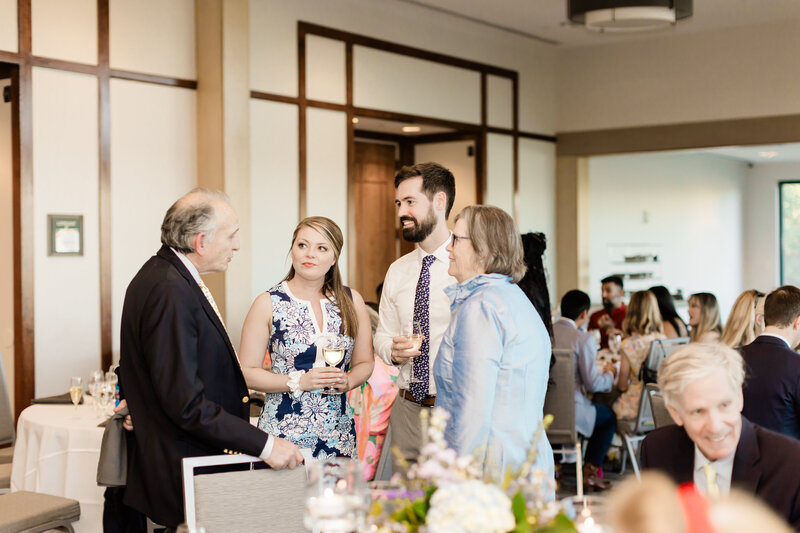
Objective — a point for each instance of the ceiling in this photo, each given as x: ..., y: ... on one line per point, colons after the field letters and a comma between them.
x: 772, y: 153
x: 396, y: 128
x: 546, y: 20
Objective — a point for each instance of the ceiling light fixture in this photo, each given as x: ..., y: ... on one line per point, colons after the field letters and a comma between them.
x: 628, y: 15
x: 411, y: 129
x: 355, y: 120
x: 767, y: 155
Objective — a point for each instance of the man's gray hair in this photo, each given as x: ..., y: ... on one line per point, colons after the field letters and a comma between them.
x: 696, y: 361
x: 190, y: 215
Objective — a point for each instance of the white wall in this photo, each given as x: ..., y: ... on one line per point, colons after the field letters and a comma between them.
x: 6, y: 244
x: 65, y: 29
x: 738, y: 72
x: 67, y: 289
x: 761, y: 224
x: 153, y: 163
x: 8, y: 25
x: 689, y: 206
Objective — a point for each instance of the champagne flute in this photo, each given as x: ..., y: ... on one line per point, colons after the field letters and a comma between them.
x: 332, y: 353
x: 415, y: 337
x: 75, y: 390
x: 614, y: 343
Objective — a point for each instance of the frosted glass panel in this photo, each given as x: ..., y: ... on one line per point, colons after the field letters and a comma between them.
x: 500, y: 171
x: 325, y: 73
x: 326, y: 178
x: 65, y: 159
x: 499, y: 102
x: 537, y: 197
x: 392, y: 82
x: 153, y: 163
x: 273, y: 46
x: 8, y: 26
x: 153, y: 36
x: 65, y: 29
x: 274, y: 189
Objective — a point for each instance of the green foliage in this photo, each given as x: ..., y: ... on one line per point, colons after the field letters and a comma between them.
x: 520, y: 510
x: 415, y: 513
x: 559, y: 524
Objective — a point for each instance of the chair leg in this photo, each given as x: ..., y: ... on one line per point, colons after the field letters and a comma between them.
x: 579, y: 467
x: 631, y: 451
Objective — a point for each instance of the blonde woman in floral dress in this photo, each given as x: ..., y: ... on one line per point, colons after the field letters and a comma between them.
x: 642, y: 325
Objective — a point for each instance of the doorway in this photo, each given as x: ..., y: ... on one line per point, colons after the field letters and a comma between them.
x: 7, y: 226
x: 381, y: 148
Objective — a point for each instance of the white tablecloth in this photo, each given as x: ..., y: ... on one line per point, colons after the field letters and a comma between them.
x: 56, y: 452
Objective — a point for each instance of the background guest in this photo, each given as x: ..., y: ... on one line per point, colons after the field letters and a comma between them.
x: 742, y: 325
x: 712, y: 444
x: 492, y: 368
x: 595, y: 421
x: 642, y: 325
x: 674, y: 326
x: 534, y: 282
x: 704, y: 317
x: 772, y: 391
x: 610, y: 317
x: 293, y: 321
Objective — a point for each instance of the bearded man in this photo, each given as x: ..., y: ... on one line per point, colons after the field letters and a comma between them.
x: 413, y: 292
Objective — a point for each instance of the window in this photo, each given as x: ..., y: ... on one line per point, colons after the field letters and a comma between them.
x: 789, y: 200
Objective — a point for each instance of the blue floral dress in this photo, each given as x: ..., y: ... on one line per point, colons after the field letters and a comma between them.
x: 320, y: 422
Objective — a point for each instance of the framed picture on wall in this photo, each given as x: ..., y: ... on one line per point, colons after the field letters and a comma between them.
x: 65, y: 234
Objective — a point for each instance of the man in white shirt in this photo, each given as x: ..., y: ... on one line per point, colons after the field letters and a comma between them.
x: 413, y: 291
x: 713, y: 445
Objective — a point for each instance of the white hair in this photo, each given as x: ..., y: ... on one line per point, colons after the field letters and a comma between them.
x: 696, y: 361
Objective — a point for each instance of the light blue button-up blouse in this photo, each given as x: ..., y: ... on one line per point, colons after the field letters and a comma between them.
x: 491, y: 374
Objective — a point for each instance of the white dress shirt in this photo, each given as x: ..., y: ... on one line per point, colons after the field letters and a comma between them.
x: 196, y: 275
x: 397, y: 306
x: 723, y: 468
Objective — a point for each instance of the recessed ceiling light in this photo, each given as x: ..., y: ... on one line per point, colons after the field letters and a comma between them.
x: 355, y: 120
x: 767, y: 155
x: 411, y: 129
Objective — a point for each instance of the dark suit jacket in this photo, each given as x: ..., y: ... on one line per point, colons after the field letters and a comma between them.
x: 183, y: 384
x: 766, y: 464
x: 772, y: 386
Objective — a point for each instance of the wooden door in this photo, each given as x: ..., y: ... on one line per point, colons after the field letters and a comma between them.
x: 376, y: 237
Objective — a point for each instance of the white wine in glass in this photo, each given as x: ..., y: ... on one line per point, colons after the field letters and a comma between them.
x: 75, y: 390
x: 415, y: 337
x: 333, y: 353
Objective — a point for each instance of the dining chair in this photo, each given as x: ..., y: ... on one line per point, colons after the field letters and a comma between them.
x: 660, y: 349
x: 32, y: 512
x: 559, y: 401
x: 633, y: 432
x: 242, y: 500
x: 661, y: 416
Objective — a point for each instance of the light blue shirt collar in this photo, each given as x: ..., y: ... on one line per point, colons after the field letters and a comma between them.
x: 458, y: 292
x: 188, y: 264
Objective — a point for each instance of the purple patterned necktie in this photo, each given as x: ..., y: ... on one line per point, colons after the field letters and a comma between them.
x: 419, y: 390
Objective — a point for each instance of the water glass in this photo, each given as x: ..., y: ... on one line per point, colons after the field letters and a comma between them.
x: 588, y: 513
x: 337, y: 498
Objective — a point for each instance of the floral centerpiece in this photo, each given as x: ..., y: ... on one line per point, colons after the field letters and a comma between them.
x: 445, y: 493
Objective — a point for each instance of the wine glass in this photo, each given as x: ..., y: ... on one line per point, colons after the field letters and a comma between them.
x: 614, y: 342
x: 332, y: 353
x: 94, y: 386
x: 75, y: 390
x: 416, y: 338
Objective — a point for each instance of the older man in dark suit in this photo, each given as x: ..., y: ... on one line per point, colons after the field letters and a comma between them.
x: 712, y: 445
x: 178, y: 370
x: 772, y: 387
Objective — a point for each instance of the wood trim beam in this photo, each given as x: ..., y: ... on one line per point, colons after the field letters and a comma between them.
x: 379, y: 136
x: 387, y: 46
x: 352, y: 248
x: 11, y: 57
x: 445, y: 137
x: 258, y: 95
x: 733, y: 132
x: 69, y: 66
x: 104, y: 180
x: 151, y: 78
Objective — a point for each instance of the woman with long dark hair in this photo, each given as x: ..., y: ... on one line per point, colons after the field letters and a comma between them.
x: 674, y: 326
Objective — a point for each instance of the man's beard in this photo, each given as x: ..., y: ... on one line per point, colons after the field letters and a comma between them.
x: 419, y: 231
x: 608, y: 304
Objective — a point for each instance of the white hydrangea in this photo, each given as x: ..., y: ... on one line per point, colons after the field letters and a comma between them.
x: 470, y: 507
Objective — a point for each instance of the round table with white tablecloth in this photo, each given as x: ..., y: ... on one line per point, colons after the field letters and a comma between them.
x: 56, y: 452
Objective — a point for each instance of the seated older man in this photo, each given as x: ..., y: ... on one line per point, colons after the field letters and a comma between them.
x: 713, y: 445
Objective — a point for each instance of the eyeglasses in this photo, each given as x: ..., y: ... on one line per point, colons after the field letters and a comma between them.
x: 457, y: 238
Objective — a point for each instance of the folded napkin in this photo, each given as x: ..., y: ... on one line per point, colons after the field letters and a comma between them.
x: 112, y: 468
x: 57, y: 399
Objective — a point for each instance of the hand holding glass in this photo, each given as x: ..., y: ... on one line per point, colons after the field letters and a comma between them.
x: 333, y: 353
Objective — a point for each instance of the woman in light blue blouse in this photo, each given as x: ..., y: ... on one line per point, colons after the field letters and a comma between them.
x: 492, y: 367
